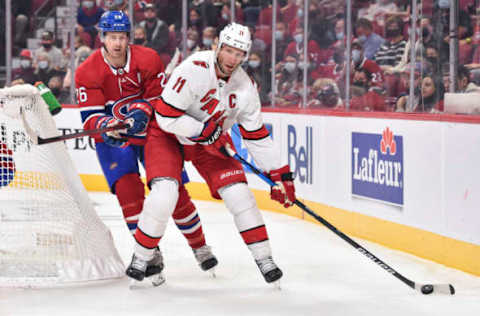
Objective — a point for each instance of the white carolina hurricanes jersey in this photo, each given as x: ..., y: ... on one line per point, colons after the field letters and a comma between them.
x: 194, y: 94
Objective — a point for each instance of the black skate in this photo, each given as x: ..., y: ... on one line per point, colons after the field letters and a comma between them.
x: 140, y: 269
x: 269, y: 269
x: 205, y: 258
x: 155, y: 265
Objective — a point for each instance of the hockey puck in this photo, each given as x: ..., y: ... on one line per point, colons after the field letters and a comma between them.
x: 427, y: 289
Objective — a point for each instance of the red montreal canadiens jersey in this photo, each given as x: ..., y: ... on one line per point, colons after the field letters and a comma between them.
x: 102, y: 89
x: 193, y: 94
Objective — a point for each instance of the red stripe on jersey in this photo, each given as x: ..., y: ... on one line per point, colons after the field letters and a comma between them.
x: 146, y: 241
x: 253, y: 235
x: 167, y: 110
x: 260, y: 133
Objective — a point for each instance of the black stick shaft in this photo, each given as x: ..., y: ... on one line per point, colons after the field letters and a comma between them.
x: 349, y: 240
x: 89, y: 132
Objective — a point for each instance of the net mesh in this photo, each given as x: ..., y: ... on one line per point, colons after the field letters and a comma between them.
x: 49, y: 231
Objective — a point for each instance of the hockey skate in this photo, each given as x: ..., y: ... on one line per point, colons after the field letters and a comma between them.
x: 140, y: 269
x: 205, y: 258
x: 270, y: 271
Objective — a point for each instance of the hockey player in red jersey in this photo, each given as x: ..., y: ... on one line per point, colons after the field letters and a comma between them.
x: 117, y: 80
x: 206, y: 94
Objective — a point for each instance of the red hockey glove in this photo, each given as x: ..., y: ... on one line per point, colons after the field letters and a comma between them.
x: 138, y: 115
x: 210, y: 134
x: 218, y: 148
x: 284, y: 190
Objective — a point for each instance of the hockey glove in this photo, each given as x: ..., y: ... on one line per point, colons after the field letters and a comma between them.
x: 284, y: 190
x: 211, y: 132
x: 138, y: 116
x: 112, y: 138
x: 217, y: 148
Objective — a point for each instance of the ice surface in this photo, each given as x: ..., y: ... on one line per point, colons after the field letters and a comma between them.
x: 323, y: 275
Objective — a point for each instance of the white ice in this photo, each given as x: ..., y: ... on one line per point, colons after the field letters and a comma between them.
x: 323, y: 275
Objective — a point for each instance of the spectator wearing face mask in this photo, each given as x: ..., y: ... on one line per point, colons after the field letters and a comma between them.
x: 157, y: 34
x: 88, y: 15
x: 283, y: 38
x: 391, y: 52
x: 192, y: 41
x: 44, y: 70
x: 55, y: 56
x: 371, y: 41
x: 360, y: 62
x: 260, y: 74
x: 140, y: 36
x: 316, y: 54
x: 325, y: 94
x: 26, y: 70
x: 208, y: 36
x: 289, y: 83
x: 364, y: 97
x: 55, y: 85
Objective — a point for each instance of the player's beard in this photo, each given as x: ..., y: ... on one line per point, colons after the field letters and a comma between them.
x: 224, y: 71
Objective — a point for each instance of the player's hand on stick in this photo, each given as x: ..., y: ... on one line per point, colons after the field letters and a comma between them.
x: 138, y: 116
x: 218, y: 147
x: 284, y: 190
x: 212, y: 131
x: 112, y: 138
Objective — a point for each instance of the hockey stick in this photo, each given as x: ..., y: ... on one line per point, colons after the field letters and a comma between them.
x: 423, y: 288
x: 37, y: 140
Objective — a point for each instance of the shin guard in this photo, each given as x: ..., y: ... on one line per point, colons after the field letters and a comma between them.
x: 130, y: 192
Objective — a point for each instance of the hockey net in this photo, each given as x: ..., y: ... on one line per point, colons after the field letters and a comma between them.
x: 50, y: 233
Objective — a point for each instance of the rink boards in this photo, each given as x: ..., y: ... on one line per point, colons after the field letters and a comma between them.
x: 409, y: 182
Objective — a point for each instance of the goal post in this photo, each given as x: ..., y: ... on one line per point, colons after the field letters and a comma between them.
x: 50, y: 233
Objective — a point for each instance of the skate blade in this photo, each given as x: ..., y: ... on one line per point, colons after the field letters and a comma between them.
x: 153, y: 281
x: 212, y: 273
x: 277, y: 285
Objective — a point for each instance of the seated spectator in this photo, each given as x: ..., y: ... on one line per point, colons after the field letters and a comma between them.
x: 370, y: 40
x: 208, y: 35
x: 289, y: 11
x: 193, y: 41
x: 45, y: 70
x: 360, y: 62
x: 463, y: 81
x: 282, y: 39
x: 289, y: 83
x: 325, y: 94
x: 295, y: 48
x: 156, y: 30
x: 56, y: 59
x: 364, y: 97
x: 390, y: 53
x: 81, y: 54
x: 428, y: 97
x: 88, y: 15
x: 140, y: 36
x: 26, y: 70
x: 260, y: 74
x: 378, y: 11
x: 55, y: 85
x: 340, y: 33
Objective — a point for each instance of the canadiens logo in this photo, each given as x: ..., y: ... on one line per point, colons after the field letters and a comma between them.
x: 119, y: 108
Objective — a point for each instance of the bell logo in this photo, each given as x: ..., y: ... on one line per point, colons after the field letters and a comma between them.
x: 300, y: 153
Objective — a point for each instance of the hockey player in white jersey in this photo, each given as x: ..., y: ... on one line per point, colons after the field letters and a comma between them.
x: 206, y: 94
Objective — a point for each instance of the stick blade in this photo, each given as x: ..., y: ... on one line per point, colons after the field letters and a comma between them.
x: 428, y: 289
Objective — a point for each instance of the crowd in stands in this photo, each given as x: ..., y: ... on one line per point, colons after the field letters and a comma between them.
x: 380, y: 48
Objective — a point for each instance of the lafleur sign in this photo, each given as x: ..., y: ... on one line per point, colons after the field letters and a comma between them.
x: 377, y: 166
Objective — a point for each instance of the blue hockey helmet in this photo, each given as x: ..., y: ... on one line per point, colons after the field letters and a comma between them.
x: 114, y: 21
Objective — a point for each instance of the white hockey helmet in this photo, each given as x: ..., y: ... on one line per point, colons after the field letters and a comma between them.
x: 235, y: 35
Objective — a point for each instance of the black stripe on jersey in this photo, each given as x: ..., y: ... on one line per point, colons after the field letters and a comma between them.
x: 171, y: 111
x: 257, y: 134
